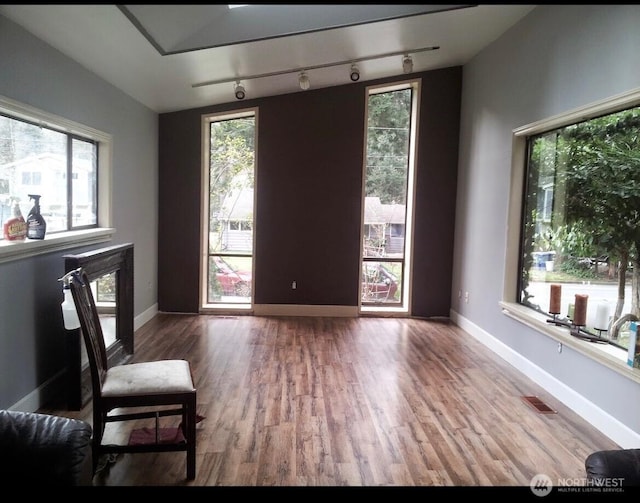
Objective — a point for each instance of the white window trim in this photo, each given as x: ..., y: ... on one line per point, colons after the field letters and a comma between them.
x: 11, y: 250
x: 610, y: 356
x: 205, y: 129
x: 405, y: 308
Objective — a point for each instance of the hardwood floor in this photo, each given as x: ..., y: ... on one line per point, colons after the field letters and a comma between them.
x: 297, y: 401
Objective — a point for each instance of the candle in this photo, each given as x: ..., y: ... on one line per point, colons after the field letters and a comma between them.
x: 554, y: 303
x: 602, y: 316
x: 570, y: 311
x: 580, y: 310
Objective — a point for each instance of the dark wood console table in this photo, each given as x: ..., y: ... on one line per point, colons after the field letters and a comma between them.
x: 116, y: 259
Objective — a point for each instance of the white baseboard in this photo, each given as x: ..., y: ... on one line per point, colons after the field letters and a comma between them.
x: 144, y: 317
x: 601, y: 420
x: 39, y: 396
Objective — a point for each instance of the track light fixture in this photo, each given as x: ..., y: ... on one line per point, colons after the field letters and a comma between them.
x: 304, y: 82
x: 303, y: 79
x: 407, y: 64
x: 239, y: 91
x: 355, y: 73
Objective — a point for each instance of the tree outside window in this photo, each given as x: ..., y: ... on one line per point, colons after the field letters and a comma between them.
x: 582, y: 208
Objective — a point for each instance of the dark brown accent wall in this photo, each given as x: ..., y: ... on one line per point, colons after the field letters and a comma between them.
x: 308, y: 199
x: 436, y: 182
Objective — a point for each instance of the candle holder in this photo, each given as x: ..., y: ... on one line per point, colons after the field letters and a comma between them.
x: 576, y: 330
x: 559, y: 321
x: 583, y: 333
x: 601, y: 331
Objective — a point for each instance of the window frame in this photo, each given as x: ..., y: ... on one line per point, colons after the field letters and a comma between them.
x: 403, y: 307
x: 610, y: 356
x: 206, y: 307
x: 12, y: 250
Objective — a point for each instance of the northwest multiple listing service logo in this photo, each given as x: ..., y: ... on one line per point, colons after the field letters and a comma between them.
x: 542, y: 485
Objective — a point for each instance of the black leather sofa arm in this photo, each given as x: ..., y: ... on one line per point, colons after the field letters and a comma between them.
x: 623, y: 464
x: 46, y: 449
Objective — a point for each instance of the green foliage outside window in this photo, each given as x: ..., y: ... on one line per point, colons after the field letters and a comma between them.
x: 592, y: 170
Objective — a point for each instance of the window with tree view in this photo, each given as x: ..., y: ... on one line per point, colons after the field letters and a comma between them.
x: 388, y: 197
x: 581, y: 219
x: 58, y: 166
x: 229, y: 210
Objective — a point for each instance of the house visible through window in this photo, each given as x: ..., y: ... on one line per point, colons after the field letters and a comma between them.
x: 388, y: 197
x: 228, y: 209
x: 58, y: 166
x: 31, y: 178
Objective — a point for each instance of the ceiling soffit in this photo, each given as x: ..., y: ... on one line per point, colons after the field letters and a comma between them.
x: 174, y: 29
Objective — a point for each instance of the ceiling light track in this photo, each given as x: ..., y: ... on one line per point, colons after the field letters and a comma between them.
x: 315, y: 67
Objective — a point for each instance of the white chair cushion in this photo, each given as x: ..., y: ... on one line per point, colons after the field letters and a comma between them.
x: 160, y: 376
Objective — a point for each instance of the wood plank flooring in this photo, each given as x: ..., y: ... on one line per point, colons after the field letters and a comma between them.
x: 302, y: 401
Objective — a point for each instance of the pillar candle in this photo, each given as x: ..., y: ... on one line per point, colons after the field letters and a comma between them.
x: 571, y: 311
x: 602, y: 316
x: 580, y: 310
x: 554, y: 302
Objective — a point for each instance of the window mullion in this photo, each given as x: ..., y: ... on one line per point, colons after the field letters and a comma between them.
x: 69, y: 183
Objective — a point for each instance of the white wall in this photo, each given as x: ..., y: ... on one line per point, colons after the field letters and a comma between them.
x: 556, y: 59
x: 32, y: 342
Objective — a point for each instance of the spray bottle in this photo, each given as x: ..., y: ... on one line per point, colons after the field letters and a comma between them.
x: 15, y: 228
x: 36, y: 225
x: 68, y: 306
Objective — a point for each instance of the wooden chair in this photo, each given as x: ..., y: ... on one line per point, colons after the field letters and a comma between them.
x: 156, y: 389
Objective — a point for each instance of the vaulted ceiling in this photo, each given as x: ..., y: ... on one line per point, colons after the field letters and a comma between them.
x: 174, y: 57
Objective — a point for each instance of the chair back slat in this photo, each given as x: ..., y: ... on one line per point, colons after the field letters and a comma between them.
x: 91, y: 329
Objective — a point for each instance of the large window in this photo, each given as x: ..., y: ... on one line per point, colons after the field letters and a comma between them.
x: 59, y: 167
x: 228, y: 210
x: 388, y: 198
x: 66, y: 164
x: 580, y: 234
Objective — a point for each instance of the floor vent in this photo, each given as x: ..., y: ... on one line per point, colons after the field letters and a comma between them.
x: 538, y: 405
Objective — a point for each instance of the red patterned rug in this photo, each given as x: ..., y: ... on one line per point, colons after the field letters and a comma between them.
x: 144, y: 436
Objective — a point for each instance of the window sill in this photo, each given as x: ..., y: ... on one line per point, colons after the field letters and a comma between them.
x: 18, y: 250
x: 606, y: 354
x: 382, y: 310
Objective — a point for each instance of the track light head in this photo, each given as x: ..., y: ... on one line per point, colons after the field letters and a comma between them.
x: 239, y: 91
x: 407, y: 64
x: 355, y: 73
x: 304, y: 81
